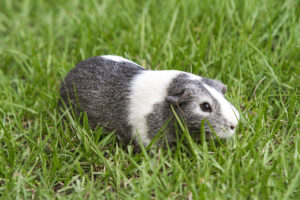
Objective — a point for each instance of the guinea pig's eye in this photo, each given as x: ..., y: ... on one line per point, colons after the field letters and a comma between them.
x: 205, y: 107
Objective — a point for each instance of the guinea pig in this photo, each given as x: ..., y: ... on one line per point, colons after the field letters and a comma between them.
x: 120, y: 95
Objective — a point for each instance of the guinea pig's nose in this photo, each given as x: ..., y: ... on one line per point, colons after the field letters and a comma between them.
x: 232, y: 127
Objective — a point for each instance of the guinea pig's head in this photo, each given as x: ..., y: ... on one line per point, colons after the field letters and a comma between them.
x: 203, y: 99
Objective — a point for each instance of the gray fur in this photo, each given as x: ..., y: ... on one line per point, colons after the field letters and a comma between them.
x: 196, y: 91
x: 103, y: 89
x: 218, y: 85
x: 188, y: 92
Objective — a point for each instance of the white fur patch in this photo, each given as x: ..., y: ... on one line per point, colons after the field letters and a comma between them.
x: 117, y: 59
x: 194, y: 77
x: 228, y: 111
x: 147, y: 89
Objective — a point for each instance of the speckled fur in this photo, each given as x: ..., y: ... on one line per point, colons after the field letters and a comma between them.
x: 162, y: 112
x: 104, y: 91
x: 102, y: 88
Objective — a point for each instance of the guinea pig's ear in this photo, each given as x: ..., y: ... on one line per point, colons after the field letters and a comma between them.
x: 178, y: 98
x: 223, y: 88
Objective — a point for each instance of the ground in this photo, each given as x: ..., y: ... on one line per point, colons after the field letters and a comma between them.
x: 252, y: 46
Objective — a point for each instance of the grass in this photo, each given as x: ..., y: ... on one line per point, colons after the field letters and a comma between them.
x: 253, y: 46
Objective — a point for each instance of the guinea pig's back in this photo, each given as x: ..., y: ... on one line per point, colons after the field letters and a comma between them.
x: 102, y: 86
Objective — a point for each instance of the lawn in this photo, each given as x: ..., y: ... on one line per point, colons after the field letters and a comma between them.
x: 253, y: 46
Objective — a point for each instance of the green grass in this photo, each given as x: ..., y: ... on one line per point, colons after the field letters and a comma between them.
x: 253, y: 46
